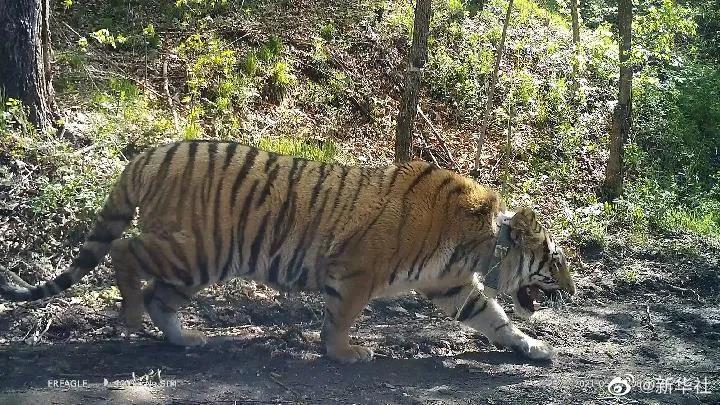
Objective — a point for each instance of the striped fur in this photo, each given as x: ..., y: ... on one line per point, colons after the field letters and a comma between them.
x: 211, y: 211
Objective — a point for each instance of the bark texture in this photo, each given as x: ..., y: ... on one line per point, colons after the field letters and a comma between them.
x: 25, y: 58
x: 621, y: 123
x: 413, y: 76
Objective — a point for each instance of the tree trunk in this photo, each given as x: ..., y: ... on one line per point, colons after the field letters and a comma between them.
x: 25, y: 58
x: 491, y: 90
x: 621, y: 115
x: 416, y: 62
x: 576, y: 43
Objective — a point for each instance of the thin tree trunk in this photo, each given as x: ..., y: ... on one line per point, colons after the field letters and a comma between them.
x: 622, y: 114
x: 416, y: 62
x: 576, y: 43
x: 491, y: 89
x: 25, y: 58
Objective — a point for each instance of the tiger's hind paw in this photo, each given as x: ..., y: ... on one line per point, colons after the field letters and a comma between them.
x: 351, y: 354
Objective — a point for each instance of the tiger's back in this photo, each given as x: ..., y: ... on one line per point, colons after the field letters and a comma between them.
x: 233, y: 210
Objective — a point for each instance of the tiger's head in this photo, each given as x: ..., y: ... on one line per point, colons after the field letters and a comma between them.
x: 533, y: 265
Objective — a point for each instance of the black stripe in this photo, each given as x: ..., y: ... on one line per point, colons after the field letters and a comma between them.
x: 465, y: 316
x: 360, y: 235
x: 208, y: 181
x: 283, y: 224
x: 318, y: 184
x: 229, y: 154
x: 520, y: 262
x: 426, y: 171
x: 295, y: 265
x: 160, y: 174
x: 125, y: 190
x: 181, y: 255
x: 248, y: 161
x: 216, y: 231
x: 137, y: 167
x: 257, y: 244
x: 532, y: 260
x: 467, y: 309
x: 270, y: 179
x: 274, y: 270
x: 178, y: 292
x: 200, y: 252
x: 302, y: 280
x: 393, y: 178
x: 543, y: 261
x: 228, y: 261
x: 182, y: 275
x: 446, y: 294
x: 136, y: 174
x: 243, y: 217
x: 421, y: 266
x: 330, y: 291
x: 358, y: 188
x: 185, y: 182
x: 502, y: 326
x: 272, y: 158
x: 452, y: 261
x: 340, y: 212
x: 134, y: 251
x: 406, y: 209
x: 341, y: 187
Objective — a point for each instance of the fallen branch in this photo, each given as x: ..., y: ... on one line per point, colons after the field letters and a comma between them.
x: 684, y: 291
x: 439, y: 137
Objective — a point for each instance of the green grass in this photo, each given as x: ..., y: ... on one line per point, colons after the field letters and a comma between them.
x: 321, y: 151
x: 698, y: 221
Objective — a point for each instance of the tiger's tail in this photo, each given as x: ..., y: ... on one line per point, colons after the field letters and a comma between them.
x: 114, y: 218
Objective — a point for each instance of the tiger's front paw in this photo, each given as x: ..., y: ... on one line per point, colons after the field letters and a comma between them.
x: 350, y: 354
x: 535, y: 349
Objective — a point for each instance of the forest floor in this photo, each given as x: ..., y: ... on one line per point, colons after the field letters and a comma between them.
x: 663, y: 340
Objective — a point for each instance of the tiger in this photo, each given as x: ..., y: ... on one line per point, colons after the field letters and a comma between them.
x: 209, y: 211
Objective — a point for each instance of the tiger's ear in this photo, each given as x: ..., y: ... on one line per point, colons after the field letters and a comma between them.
x: 526, y: 230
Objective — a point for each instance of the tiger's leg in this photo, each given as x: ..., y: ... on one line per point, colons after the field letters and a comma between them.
x: 467, y: 304
x: 128, y: 282
x: 344, y: 300
x: 162, y: 302
x: 147, y: 256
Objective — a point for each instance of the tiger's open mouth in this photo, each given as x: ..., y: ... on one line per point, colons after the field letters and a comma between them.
x: 531, y: 297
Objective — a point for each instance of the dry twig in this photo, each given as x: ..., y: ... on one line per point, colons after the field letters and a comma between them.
x: 439, y: 137
x: 166, y: 87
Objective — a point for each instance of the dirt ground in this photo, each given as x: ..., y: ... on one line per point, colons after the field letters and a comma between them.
x: 658, y: 340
